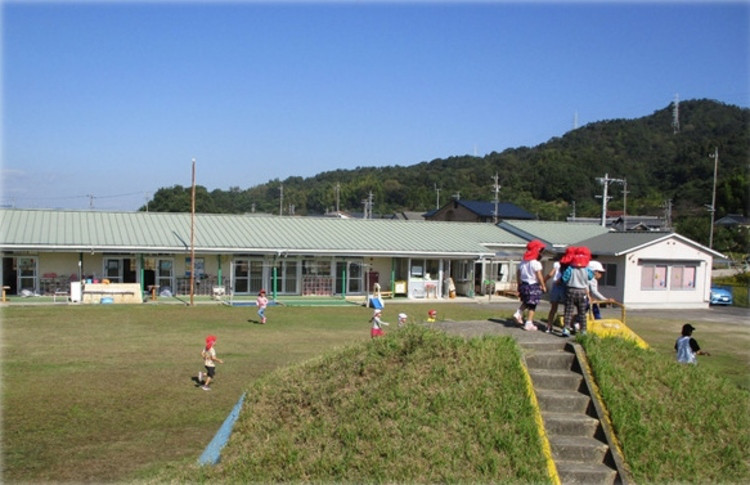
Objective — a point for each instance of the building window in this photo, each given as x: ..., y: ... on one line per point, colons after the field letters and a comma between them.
x: 682, y: 278
x: 654, y: 277
x: 610, y: 275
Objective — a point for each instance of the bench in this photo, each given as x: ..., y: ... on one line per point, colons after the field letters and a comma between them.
x: 509, y: 293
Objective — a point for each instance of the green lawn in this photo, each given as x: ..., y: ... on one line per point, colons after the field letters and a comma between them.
x: 104, y: 392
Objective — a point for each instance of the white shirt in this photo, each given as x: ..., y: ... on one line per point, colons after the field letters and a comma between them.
x: 528, y: 271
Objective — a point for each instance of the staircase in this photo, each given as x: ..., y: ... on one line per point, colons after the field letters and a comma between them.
x: 580, y: 447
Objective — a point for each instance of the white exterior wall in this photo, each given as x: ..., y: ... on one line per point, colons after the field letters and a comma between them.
x: 671, y: 252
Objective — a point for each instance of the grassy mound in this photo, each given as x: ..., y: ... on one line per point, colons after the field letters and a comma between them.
x: 676, y: 423
x: 415, y: 406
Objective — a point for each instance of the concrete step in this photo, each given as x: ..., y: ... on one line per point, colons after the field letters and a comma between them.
x: 550, y: 360
x: 576, y: 437
x: 566, y: 424
x: 577, y: 448
x: 556, y: 379
x: 586, y: 473
x: 557, y: 401
x: 545, y: 345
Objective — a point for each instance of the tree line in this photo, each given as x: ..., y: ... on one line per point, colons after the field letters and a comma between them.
x: 662, y: 167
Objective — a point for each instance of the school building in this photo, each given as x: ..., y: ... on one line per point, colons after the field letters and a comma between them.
x: 44, y: 251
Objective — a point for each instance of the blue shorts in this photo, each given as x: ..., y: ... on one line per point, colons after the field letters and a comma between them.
x: 557, y: 293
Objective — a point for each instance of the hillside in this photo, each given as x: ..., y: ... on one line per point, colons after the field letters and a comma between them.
x: 550, y: 180
x: 422, y: 407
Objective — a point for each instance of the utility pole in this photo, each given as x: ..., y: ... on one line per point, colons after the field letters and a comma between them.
x: 605, y: 181
x: 625, y: 204
x: 668, y: 213
x: 437, y: 201
x: 281, y: 199
x: 496, y: 188
x: 712, y: 207
x: 192, y: 239
x: 338, y: 195
x: 367, y: 203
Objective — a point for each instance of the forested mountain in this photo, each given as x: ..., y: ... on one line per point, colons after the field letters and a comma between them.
x: 550, y: 180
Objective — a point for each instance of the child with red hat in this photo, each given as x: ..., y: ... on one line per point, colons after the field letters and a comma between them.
x: 577, y: 277
x: 209, y: 360
x: 531, y: 284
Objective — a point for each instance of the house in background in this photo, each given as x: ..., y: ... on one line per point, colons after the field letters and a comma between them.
x: 478, y: 211
x: 618, y: 221
x: 734, y: 220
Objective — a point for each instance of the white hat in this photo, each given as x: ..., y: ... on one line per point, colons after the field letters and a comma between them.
x: 596, y: 266
x: 402, y: 316
x: 377, y: 311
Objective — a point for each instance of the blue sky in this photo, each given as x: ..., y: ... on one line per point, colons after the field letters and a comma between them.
x: 104, y: 103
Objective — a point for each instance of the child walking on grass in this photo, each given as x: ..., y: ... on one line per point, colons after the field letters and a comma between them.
x: 209, y: 360
x: 262, y: 303
x: 377, y: 324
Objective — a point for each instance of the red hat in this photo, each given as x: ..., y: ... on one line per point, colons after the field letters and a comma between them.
x: 432, y: 312
x: 210, y: 341
x: 533, y: 249
x: 262, y: 292
x: 568, y: 256
x: 582, y: 257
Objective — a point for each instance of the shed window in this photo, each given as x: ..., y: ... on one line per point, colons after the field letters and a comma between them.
x: 682, y: 278
x: 653, y: 277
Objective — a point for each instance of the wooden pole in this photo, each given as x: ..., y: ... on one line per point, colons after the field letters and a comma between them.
x: 192, y: 240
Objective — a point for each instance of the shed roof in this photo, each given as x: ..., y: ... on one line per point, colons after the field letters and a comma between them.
x: 155, y: 232
x: 620, y: 243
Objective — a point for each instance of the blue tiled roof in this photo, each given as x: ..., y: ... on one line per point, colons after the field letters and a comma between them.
x: 506, y: 210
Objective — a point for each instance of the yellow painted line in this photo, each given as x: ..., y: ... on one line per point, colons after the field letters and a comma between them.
x: 546, y: 449
x: 595, y: 394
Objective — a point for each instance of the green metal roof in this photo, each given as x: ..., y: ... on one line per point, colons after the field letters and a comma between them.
x: 553, y: 233
x: 159, y: 232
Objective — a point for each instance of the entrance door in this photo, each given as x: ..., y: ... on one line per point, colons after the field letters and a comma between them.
x: 10, y: 275
x: 354, y: 277
x: 113, y: 269
x: 286, y: 277
x: 247, y: 276
x: 27, y: 279
x: 119, y: 269
x: 165, y: 274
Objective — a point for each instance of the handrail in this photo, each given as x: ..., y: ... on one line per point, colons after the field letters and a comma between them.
x: 612, y: 302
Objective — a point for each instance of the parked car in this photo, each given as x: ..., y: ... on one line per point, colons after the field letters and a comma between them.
x: 721, y: 296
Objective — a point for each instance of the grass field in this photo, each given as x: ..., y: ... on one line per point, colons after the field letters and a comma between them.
x: 104, y: 393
